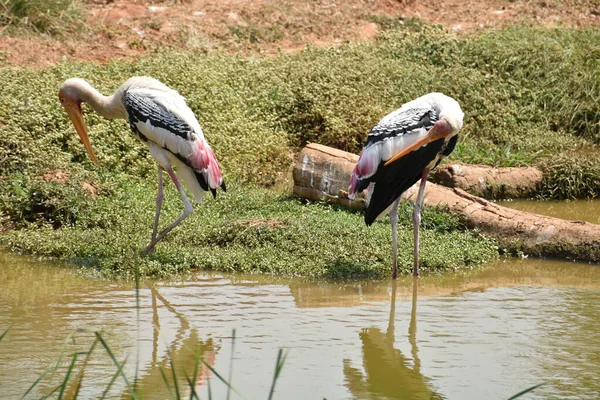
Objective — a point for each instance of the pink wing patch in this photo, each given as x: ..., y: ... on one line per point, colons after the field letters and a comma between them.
x: 203, y: 159
x: 366, y: 167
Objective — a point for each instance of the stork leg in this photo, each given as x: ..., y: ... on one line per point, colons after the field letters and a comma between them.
x: 187, y: 210
x: 417, y: 220
x: 159, y: 200
x: 394, y: 222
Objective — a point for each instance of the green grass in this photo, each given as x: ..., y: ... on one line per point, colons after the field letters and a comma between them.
x: 55, y: 17
x: 528, y: 93
x: 249, y: 229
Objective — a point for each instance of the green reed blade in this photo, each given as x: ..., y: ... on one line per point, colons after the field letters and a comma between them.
x: 231, y: 362
x: 67, y: 376
x: 220, y: 377
x: 167, y: 384
x: 190, y: 381
x: 174, y: 373
x: 119, y: 367
x: 112, y: 381
x: 281, y: 356
x: 4, y: 333
x: 521, y: 393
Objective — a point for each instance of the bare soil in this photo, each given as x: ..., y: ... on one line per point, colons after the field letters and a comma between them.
x: 126, y: 28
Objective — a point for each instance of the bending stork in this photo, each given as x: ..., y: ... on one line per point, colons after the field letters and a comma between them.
x: 160, y: 118
x: 404, y: 146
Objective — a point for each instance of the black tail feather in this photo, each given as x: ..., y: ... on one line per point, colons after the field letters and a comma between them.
x: 201, y: 180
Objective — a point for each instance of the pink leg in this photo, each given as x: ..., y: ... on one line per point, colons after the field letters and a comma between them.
x: 159, y: 200
x: 394, y: 222
x: 417, y: 220
x: 186, y: 211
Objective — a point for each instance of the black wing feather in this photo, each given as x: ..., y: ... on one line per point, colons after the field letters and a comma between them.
x: 393, y: 180
x: 142, y: 109
x: 409, y: 120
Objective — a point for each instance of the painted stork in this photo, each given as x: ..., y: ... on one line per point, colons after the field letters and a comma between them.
x: 161, y: 119
x: 403, y: 147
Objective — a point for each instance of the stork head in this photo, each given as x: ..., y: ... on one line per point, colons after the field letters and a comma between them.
x: 69, y: 98
x: 454, y: 118
x: 449, y: 110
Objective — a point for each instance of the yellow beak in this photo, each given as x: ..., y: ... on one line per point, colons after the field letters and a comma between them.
x: 74, y: 111
x: 440, y: 130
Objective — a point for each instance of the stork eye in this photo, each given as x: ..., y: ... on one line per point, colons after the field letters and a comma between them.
x: 62, y: 99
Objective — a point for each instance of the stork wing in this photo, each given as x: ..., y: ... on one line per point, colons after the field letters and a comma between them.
x: 395, y: 132
x: 182, y: 137
x: 402, y: 122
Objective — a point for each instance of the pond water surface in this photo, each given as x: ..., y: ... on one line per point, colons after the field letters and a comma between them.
x: 483, y: 334
x: 580, y: 210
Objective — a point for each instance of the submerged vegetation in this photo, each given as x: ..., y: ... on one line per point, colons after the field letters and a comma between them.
x: 529, y: 93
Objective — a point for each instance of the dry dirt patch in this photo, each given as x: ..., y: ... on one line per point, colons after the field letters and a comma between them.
x: 125, y: 29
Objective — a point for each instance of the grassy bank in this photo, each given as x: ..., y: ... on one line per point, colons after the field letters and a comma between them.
x: 250, y: 229
x: 528, y: 93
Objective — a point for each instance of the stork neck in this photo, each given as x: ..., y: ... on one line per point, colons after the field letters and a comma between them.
x: 106, y: 106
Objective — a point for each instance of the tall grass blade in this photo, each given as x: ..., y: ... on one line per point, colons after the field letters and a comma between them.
x: 67, y: 376
x: 167, y: 384
x: 119, y: 366
x: 4, y: 333
x: 207, y: 365
x: 112, y: 381
x: 174, y: 373
x: 231, y: 362
x: 522, y: 392
x: 42, y: 375
x: 79, y: 378
x: 209, y: 389
x: 51, y: 368
x: 190, y: 381
x: 281, y: 356
x: 137, y: 312
x: 47, y: 396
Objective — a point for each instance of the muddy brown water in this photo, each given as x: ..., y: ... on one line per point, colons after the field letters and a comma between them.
x: 482, y: 334
x: 580, y: 210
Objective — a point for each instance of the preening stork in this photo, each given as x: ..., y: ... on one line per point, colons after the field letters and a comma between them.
x: 403, y: 147
x: 160, y: 118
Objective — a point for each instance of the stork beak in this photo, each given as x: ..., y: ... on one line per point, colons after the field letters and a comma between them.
x: 74, y: 110
x: 439, y: 130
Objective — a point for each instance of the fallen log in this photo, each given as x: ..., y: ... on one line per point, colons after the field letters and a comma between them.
x: 489, y: 182
x: 322, y: 173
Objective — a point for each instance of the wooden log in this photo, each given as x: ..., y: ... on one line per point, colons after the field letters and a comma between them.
x: 489, y: 182
x: 322, y: 173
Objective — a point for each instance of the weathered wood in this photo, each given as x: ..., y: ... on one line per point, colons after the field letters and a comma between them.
x: 489, y: 182
x: 322, y: 173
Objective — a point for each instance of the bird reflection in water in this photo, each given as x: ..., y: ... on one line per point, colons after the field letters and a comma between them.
x: 387, y: 372
x: 183, y: 353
